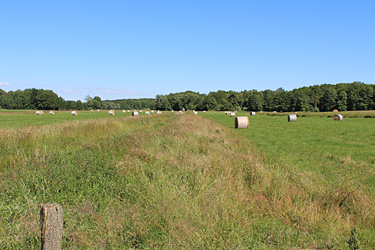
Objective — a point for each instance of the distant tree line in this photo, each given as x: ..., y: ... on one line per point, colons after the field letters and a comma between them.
x: 325, y: 97
x: 48, y: 100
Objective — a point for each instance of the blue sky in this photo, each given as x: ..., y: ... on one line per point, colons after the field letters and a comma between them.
x: 133, y: 49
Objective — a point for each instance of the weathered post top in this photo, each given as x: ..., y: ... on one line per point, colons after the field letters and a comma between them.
x: 51, y: 222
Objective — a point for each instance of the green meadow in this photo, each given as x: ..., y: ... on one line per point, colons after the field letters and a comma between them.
x: 318, y: 145
x: 18, y: 119
x: 189, y: 181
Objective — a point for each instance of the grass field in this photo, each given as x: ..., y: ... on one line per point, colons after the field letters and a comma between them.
x: 19, y: 119
x: 314, y: 144
x: 182, y: 181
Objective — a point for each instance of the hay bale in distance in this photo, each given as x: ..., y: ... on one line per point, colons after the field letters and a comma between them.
x: 134, y: 113
x: 159, y: 112
x: 74, y: 113
x: 292, y: 118
x: 226, y: 112
x: 51, y: 112
x: 242, y: 122
x: 111, y: 112
x: 123, y: 111
x: 38, y: 112
x: 232, y: 114
x: 152, y: 111
x: 147, y: 112
x: 195, y: 112
x: 338, y: 117
x: 252, y: 113
x: 335, y: 110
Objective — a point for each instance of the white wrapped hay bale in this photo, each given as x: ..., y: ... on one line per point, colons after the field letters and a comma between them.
x: 338, y: 117
x: 292, y: 118
x: 242, y: 122
x: 134, y: 113
x: 172, y: 110
x: 123, y: 111
x: 226, y: 112
x: 152, y: 111
x: 159, y: 112
x: 51, y: 112
x: 111, y: 112
x: 195, y: 112
x: 147, y: 112
x: 140, y: 111
x: 252, y: 113
x: 128, y: 111
x: 232, y: 114
x: 38, y: 112
x: 91, y: 110
x: 74, y: 113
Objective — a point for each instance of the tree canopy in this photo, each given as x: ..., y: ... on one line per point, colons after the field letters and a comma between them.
x: 325, y: 97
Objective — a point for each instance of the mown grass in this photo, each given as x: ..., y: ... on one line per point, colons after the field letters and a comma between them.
x: 25, y: 118
x: 172, y: 182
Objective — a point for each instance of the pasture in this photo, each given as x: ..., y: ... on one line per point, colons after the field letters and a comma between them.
x: 314, y: 143
x: 183, y: 181
x: 18, y: 118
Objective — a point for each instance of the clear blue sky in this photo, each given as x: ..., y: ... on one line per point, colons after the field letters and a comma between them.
x: 132, y: 49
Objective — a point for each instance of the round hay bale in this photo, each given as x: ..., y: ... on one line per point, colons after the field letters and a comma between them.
x: 335, y: 110
x: 123, y: 111
x: 128, y: 111
x: 74, y: 113
x: 242, y: 122
x: 134, y: 113
x: 226, y: 112
x: 204, y: 111
x: 111, y: 112
x: 292, y: 118
x: 232, y: 114
x: 338, y: 117
x: 147, y: 112
x: 51, y: 113
x: 152, y: 111
x: 172, y: 110
x: 252, y: 113
x: 159, y: 112
x: 195, y: 112
x: 38, y: 112
x: 91, y: 110
x: 140, y: 111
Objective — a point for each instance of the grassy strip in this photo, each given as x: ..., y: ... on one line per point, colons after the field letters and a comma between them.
x: 167, y: 182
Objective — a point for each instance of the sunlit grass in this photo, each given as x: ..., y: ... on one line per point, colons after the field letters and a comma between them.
x: 182, y: 182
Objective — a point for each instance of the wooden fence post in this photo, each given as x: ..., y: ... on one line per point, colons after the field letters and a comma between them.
x: 51, y: 217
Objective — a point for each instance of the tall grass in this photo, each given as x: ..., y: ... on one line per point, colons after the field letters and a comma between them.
x: 169, y: 182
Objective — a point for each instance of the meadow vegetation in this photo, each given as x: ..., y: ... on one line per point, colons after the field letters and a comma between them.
x: 183, y: 181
